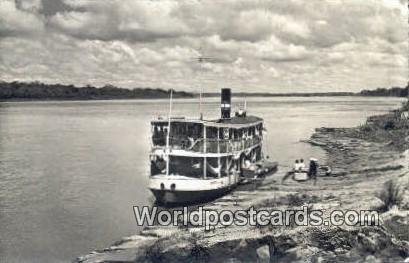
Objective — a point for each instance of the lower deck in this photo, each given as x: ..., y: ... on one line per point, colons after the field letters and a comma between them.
x: 203, y: 166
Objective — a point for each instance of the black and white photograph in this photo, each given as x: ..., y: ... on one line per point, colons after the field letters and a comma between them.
x: 227, y: 131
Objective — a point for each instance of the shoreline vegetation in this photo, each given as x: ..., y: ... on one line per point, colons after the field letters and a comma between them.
x: 26, y: 91
x: 369, y: 172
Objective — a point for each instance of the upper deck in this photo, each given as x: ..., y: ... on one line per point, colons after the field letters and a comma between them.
x: 219, y: 136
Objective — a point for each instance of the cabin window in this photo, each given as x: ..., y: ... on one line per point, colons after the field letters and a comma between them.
x: 194, y: 130
x: 159, y: 133
x: 158, y: 165
x: 228, y: 166
x: 257, y: 151
x: 211, y: 132
x: 225, y: 133
x: 183, y: 135
x: 212, y: 167
x: 186, y: 166
x: 193, y: 166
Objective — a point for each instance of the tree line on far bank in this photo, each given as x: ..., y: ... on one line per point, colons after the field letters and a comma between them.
x: 391, y: 92
x: 40, y: 91
x: 37, y: 91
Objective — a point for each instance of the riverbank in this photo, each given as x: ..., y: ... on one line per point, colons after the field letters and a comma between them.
x: 37, y: 91
x: 369, y: 172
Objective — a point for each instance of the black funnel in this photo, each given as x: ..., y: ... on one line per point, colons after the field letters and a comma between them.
x: 225, y: 103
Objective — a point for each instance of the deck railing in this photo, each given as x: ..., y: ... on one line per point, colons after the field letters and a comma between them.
x: 212, y: 145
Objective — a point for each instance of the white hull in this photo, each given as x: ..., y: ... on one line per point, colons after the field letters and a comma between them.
x: 183, y: 189
x: 300, y: 176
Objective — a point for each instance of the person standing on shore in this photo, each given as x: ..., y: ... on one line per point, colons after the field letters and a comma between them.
x: 312, y: 171
x: 296, y: 165
x: 301, y: 165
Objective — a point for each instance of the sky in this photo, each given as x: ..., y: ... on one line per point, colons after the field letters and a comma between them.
x: 254, y: 46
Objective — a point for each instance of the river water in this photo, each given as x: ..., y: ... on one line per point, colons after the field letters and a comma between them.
x: 71, y: 171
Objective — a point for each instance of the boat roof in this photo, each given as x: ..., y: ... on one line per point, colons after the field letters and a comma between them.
x: 240, y: 120
x: 233, y: 122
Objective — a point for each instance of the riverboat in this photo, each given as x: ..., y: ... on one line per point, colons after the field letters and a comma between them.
x: 196, y: 160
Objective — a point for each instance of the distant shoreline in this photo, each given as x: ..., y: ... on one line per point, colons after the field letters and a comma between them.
x: 178, y: 98
x: 36, y: 91
x: 153, y: 99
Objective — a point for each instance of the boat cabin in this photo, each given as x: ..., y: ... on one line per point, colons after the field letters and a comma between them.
x: 206, y: 148
x: 219, y: 136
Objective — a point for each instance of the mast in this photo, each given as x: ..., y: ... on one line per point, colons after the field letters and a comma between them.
x: 201, y: 60
x: 218, y: 152
x: 200, y: 103
x: 204, y: 150
x: 168, y: 134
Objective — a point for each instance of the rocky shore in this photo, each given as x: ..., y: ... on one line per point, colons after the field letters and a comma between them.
x: 369, y: 172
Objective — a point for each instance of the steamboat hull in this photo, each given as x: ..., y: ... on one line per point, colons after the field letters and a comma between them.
x: 182, y: 190
x: 169, y: 197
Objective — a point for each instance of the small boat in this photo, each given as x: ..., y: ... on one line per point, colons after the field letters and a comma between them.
x: 300, y: 176
x: 324, y: 170
x: 258, y: 170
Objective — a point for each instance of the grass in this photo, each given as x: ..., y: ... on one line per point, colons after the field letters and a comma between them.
x: 390, y: 127
x: 391, y: 195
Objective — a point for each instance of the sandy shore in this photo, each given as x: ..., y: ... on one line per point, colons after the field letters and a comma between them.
x: 365, y: 160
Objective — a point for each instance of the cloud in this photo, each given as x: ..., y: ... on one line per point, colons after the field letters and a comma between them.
x: 263, y: 45
x: 29, y: 5
x: 113, y: 20
x: 14, y: 21
x: 275, y: 50
x: 311, y: 24
x: 258, y: 24
x: 335, y: 22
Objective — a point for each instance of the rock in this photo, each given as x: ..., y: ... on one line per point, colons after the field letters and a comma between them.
x: 371, y: 242
x: 325, y: 130
x: 340, y: 251
x: 263, y: 254
x: 397, y: 223
x: 372, y: 259
x: 242, y: 244
x: 299, y: 253
x: 394, y: 212
x: 317, y: 143
x: 375, y: 204
x: 325, y: 206
x: 403, y: 181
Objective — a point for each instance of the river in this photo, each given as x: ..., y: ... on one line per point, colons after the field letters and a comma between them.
x: 70, y: 171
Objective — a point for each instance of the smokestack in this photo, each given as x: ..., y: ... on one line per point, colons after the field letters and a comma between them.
x: 225, y: 103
